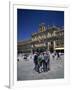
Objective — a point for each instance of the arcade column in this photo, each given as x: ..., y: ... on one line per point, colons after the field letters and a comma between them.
x: 54, y: 43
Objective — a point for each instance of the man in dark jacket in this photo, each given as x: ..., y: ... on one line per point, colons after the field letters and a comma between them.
x: 47, y: 62
x: 35, y: 61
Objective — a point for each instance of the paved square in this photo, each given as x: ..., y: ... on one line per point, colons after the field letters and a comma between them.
x: 25, y: 70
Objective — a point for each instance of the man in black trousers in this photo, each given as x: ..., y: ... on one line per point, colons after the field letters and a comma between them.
x: 35, y: 61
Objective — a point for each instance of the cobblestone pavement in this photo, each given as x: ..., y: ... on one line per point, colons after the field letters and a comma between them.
x: 25, y: 70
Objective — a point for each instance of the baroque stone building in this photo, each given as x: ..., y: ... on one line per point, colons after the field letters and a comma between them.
x: 43, y: 39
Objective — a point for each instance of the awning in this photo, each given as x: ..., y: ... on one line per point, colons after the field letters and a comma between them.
x: 59, y: 48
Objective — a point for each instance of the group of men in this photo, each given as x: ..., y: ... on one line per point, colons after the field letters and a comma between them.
x: 41, y: 62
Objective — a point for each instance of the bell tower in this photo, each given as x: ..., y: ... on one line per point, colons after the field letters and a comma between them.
x: 42, y: 27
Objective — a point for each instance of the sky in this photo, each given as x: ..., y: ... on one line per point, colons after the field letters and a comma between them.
x: 28, y: 21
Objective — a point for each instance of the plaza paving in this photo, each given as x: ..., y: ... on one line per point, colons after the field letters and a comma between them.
x: 25, y: 70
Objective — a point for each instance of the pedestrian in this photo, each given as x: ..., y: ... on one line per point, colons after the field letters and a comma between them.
x: 39, y: 62
x: 53, y: 55
x: 58, y: 56
x: 46, y: 62
x: 35, y: 61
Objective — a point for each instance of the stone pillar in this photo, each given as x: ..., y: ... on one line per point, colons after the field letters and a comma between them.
x: 54, y: 43
x: 48, y: 45
x: 31, y: 48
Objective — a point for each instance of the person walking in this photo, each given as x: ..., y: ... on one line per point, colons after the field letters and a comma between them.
x: 35, y: 61
x: 39, y: 62
x: 58, y: 56
x: 46, y: 62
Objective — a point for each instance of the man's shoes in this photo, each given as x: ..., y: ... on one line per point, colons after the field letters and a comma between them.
x: 48, y: 69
